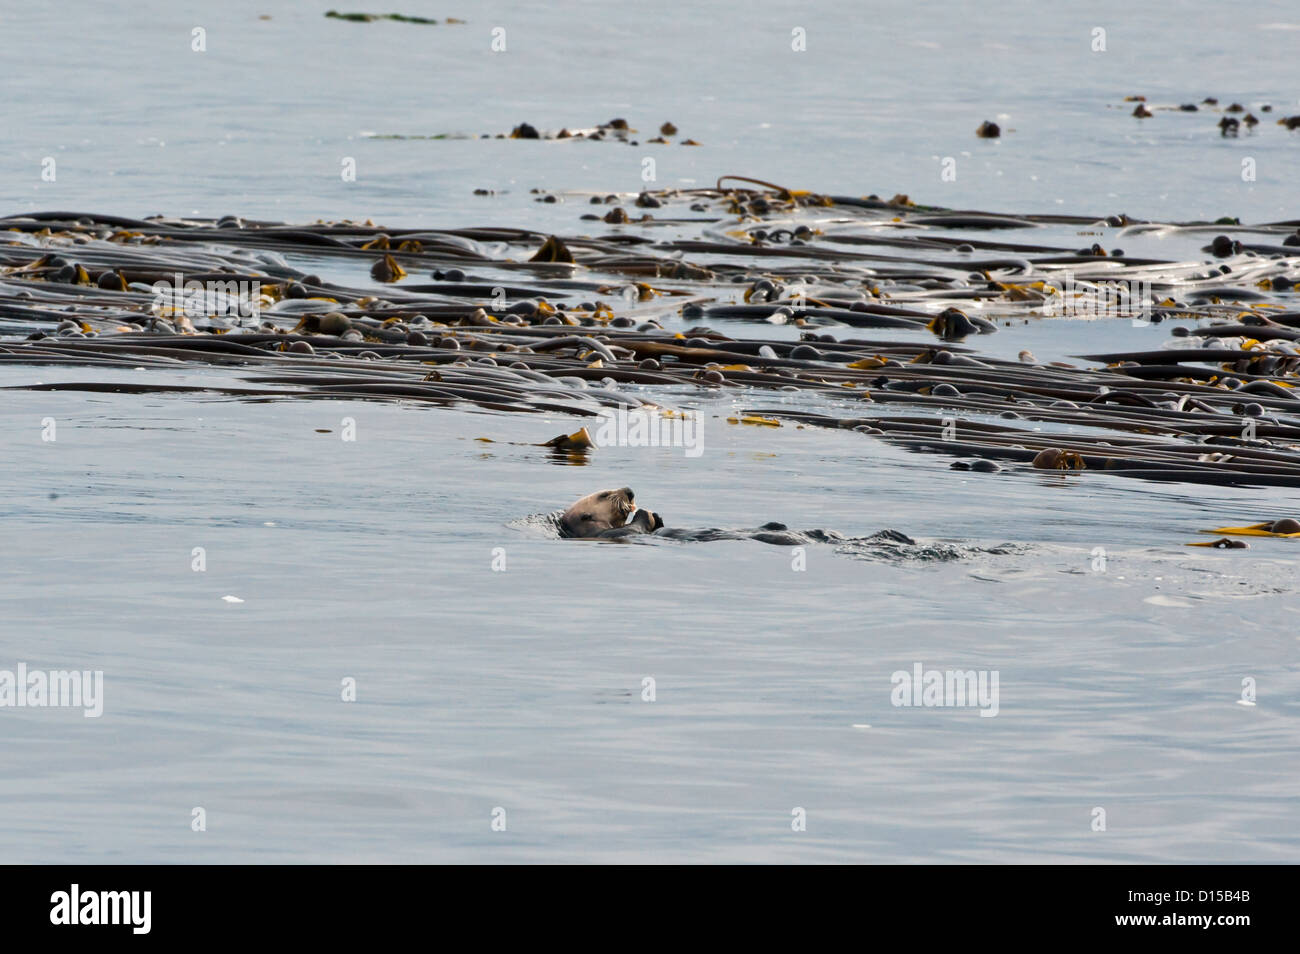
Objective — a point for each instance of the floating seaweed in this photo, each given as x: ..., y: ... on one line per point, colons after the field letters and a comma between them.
x: 1228, y: 125
x: 375, y: 17
x: 616, y: 130
x: 887, y: 297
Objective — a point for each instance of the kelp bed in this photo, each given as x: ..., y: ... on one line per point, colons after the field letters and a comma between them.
x: 890, y: 300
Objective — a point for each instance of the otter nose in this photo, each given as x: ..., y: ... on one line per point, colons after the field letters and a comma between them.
x: 630, y: 496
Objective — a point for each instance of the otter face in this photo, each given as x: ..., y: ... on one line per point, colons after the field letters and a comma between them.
x: 594, y: 513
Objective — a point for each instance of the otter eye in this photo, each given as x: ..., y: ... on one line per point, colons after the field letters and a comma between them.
x: 586, y: 516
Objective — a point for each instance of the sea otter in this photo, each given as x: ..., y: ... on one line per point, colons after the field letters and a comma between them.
x: 612, y: 515
x: 605, y: 514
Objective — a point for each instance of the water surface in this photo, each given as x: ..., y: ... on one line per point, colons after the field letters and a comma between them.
x: 522, y: 688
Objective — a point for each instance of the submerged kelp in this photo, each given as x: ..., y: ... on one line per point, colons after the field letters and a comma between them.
x: 375, y: 17
x: 888, y: 298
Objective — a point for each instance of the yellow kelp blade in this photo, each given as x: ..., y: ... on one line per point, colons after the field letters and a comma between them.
x: 1254, y: 530
x: 578, y: 440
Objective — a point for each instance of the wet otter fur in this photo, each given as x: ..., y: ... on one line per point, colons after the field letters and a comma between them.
x: 605, y: 513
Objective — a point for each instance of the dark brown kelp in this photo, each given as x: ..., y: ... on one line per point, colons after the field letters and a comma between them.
x: 890, y: 308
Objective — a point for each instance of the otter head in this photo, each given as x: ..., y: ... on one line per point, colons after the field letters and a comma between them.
x: 594, y: 513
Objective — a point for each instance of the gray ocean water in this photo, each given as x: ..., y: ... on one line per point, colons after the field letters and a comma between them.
x: 499, y: 673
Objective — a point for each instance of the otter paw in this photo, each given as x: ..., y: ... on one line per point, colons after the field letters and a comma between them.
x: 646, y: 520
